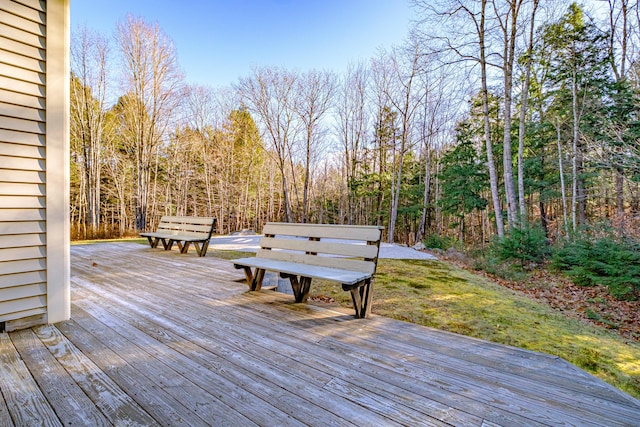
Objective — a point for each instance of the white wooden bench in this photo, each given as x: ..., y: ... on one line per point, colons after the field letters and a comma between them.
x: 300, y: 252
x: 183, y: 230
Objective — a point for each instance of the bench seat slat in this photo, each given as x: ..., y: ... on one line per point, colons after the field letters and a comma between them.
x: 348, y: 277
x: 320, y: 247
x: 324, y: 231
x: 367, y: 267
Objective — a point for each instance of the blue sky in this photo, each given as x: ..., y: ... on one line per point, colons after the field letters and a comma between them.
x: 220, y: 40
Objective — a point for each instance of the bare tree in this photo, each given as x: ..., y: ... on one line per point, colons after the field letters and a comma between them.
x: 270, y: 94
x: 315, y: 91
x: 352, y: 125
x: 406, y: 98
x: 460, y: 27
x: 523, y: 109
x: 89, y: 55
x: 151, y: 81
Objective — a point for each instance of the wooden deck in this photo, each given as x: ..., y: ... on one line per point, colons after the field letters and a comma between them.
x: 160, y: 338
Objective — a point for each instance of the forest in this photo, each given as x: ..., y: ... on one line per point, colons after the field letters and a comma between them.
x: 496, y: 120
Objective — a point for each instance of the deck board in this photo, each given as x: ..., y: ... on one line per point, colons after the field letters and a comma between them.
x: 160, y: 338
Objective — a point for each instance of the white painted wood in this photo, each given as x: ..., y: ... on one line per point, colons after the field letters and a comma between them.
x: 22, y: 86
x: 24, y: 318
x: 22, y: 240
x: 22, y: 125
x: 22, y: 227
x: 23, y: 11
x: 33, y: 177
x: 26, y: 291
x: 16, y: 254
x: 19, y: 99
x: 11, y: 136
x: 22, y: 23
x: 21, y: 202
x: 21, y: 36
x: 22, y: 49
x: 9, y: 162
x: 23, y: 304
x: 9, y: 280
x: 25, y: 113
x: 21, y: 215
x: 21, y: 189
x: 21, y: 74
x: 21, y: 150
x: 25, y: 265
x: 57, y: 125
x: 38, y: 5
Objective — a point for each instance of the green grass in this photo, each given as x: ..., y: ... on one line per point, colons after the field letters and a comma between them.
x: 436, y: 294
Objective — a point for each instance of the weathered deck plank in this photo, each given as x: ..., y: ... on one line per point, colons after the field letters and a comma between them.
x: 72, y: 406
x: 117, y: 406
x: 25, y: 402
x: 191, y: 347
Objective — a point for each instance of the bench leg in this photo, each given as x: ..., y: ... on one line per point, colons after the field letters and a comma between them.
x: 202, y: 251
x: 184, y: 247
x: 167, y: 245
x: 254, y: 281
x: 300, y: 286
x: 153, y: 241
x: 361, y: 295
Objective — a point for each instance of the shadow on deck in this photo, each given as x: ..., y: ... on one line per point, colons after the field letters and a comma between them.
x: 162, y: 338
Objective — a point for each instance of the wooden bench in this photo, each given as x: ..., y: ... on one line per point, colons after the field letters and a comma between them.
x: 183, y: 230
x: 300, y: 253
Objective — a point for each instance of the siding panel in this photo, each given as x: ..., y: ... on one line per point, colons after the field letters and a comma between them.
x: 21, y: 86
x: 15, y: 308
x: 20, y: 176
x: 12, y: 136
x: 8, y: 162
x: 17, y: 254
x: 11, y: 280
x: 22, y: 227
x: 22, y: 202
x: 28, y: 265
x: 21, y: 74
x: 22, y: 49
x: 12, y: 189
x: 24, y: 24
x: 21, y: 240
x: 18, y: 215
x: 21, y: 36
x: 26, y: 291
x: 21, y: 150
x: 32, y: 55
x: 22, y: 11
x: 21, y: 61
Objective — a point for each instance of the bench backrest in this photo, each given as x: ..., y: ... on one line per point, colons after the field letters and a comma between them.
x: 348, y: 247
x: 193, y: 226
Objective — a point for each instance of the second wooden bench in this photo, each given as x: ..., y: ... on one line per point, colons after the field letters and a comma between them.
x: 183, y: 230
x: 301, y: 252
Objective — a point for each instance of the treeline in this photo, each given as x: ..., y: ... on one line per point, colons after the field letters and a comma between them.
x: 493, y: 116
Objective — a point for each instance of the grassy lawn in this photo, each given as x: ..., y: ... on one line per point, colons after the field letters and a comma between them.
x: 440, y: 295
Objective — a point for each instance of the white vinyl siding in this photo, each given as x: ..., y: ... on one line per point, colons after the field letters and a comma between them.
x: 24, y: 151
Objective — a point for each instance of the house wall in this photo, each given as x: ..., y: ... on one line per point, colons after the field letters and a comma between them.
x: 34, y: 169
